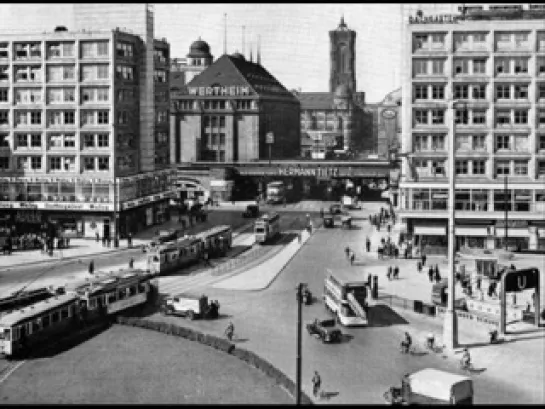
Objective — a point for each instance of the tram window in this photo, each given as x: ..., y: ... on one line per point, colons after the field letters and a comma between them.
x: 141, y: 288
x: 55, y: 317
x: 92, y: 303
x: 5, y: 334
x: 122, y: 294
x: 71, y: 310
x: 45, y: 321
x: 111, y: 298
x: 181, y: 254
x: 36, y: 326
x: 64, y: 313
x: 132, y: 291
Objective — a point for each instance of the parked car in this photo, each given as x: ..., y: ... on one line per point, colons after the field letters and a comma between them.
x: 324, y: 330
x: 336, y: 208
x: 251, y: 211
x: 329, y: 221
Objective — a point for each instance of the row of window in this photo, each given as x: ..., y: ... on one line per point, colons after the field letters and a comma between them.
x: 58, y: 140
x: 87, y: 117
x: 476, y: 66
x: 58, y: 163
x: 476, y: 91
x: 60, y: 73
x: 214, y: 121
x: 476, y: 116
x: 56, y: 95
x: 517, y: 143
x: 217, y: 104
x: 516, y: 167
x: 478, y: 41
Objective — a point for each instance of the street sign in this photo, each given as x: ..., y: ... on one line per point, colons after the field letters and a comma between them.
x: 269, y: 137
x: 521, y: 280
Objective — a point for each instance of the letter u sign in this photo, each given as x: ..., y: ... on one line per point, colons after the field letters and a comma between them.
x: 521, y: 282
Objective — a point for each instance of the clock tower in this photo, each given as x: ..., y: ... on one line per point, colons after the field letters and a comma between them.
x: 343, y: 58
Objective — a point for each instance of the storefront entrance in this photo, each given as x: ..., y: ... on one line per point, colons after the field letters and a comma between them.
x: 106, y: 228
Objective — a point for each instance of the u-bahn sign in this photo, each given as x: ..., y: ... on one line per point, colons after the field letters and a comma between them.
x: 520, y: 280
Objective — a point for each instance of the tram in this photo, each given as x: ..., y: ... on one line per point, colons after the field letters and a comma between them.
x: 21, y: 299
x: 216, y: 241
x: 172, y: 256
x: 267, y: 227
x: 36, y: 324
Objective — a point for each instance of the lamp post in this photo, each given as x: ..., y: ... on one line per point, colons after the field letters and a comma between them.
x: 450, y: 325
x: 116, y: 215
x: 269, y: 140
x: 299, y: 288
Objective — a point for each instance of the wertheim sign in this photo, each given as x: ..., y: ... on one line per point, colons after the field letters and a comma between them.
x: 219, y: 91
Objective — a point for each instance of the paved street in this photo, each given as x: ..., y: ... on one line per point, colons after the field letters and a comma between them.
x: 367, y: 361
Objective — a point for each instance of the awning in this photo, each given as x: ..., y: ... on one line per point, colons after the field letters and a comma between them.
x: 513, y: 232
x: 471, y: 231
x: 430, y: 230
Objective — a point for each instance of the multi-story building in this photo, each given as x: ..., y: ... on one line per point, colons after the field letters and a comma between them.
x: 73, y: 149
x: 481, y: 77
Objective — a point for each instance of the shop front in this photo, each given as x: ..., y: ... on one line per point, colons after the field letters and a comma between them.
x: 140, y: 214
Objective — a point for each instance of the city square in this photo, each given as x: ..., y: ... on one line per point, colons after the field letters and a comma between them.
x: 205, y: 181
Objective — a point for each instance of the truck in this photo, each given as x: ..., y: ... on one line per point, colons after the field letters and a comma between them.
x: 190, y: 306
x: 346, y: 299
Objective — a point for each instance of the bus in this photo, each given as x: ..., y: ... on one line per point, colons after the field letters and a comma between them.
x: 276, y: 192
x: 346, y: 299
x: 267, y: 227
x: 175, y: 255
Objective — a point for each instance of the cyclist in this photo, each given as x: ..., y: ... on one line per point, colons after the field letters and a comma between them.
x: 406, y: 343
x: 229, y: 331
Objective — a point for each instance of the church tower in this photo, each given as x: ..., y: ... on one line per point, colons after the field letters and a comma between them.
x: 343, y: 58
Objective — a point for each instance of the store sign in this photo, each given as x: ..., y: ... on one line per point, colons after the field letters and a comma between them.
x: 512, y: 223
x: 438, y: 19
x: 145, y: 200
x: 388, y: 114
x: 56, y: 206
x: 219, y: 91
x: 316, y: 172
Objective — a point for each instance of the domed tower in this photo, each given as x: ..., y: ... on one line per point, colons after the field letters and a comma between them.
x: 343, y: 57
x: 199, y: 58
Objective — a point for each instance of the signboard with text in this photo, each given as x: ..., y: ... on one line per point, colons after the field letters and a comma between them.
x: 97, y: 207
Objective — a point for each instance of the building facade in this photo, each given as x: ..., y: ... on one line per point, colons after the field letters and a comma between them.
x: 183, y: 70
x: 74, y: 149
x: 491, y: 62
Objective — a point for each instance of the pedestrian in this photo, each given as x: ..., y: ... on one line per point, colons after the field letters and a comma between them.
x: 91, y: 267
x: 369, y: 279
x: 103, y: 241
x: 347, y: 252
x: 396, y: 252
x: 97, y: 236
x: 316, y: 383
x: 419, y: 266
x: 129, y: 240
x: 67, y: 242
x: 380, y: 252
x: 131, y: 263
x: 322, y: 212
x: 389, y: 227
x: 352, y: 258
x: 430, y: 274
x: 396, y: 272
x: 424, y: 259
x: 436, y: 269
x: 389, y: 273
x: 437, y: 276
x: 478, y: 282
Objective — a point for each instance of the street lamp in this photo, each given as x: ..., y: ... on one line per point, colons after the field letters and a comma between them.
x: 450, y: 326
x: 299, y: 288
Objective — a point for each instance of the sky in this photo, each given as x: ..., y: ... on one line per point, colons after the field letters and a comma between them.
x: 295, y: 43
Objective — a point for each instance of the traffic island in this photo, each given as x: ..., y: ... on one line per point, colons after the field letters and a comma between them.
x: 221, y: 345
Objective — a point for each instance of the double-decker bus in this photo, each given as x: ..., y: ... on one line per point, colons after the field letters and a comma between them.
x: 267, y: 227
x: 175, y: 255
x: 216, y: 241
x: 276, y: 192
x: 346, y: 299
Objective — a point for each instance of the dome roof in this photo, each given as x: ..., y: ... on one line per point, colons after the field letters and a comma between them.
x: 199, y: 48
x: 238, y: 55
x: 342, y: 91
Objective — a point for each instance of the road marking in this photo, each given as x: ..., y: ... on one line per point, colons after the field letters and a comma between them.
x: 11, y: 370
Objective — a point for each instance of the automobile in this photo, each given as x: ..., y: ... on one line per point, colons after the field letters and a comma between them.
x: 164, y: 236
x: 329, y: 221
x: 251, y: 211
x: 336, y: 208
x: 190, y: 306
x: 324, y: 330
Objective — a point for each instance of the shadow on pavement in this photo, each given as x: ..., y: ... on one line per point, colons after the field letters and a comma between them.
x: 240, y: 340
x: 328, y: 395
x: 383, y: 316
x: 345, y: 338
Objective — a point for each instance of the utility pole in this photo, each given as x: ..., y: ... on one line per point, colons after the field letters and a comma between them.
x: 450, y: 325
x: 300, y: 287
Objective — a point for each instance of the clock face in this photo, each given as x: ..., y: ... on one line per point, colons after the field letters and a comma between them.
x: 388, y: 114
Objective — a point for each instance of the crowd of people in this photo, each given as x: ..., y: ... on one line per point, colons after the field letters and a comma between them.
x: 34, y: 241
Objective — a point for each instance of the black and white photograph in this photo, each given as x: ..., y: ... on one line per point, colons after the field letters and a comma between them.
x: 272, y: 203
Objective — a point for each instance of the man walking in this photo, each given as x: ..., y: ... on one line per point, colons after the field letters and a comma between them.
x: 91, y: 267
x: 352, y: 258
x: 423, y: 259
x: 129, y: 240
x: 389, y: 273
x: 368, y: 244
x: 347, y: 252
x: 316, y: 383
x: 131, y: 263
x: 430, y: 274
x: 396, y: 272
